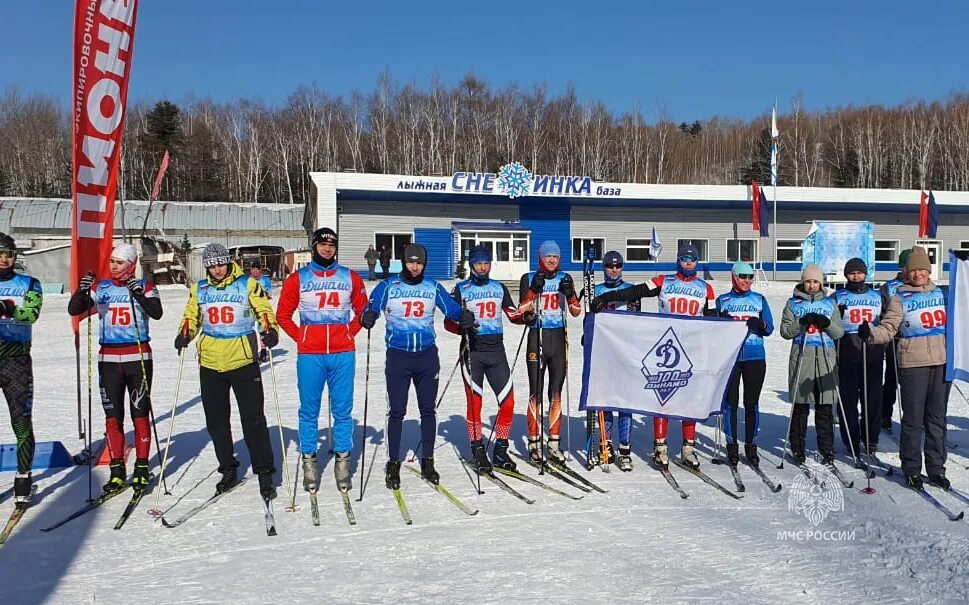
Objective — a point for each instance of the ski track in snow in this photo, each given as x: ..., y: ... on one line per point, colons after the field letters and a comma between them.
x: 640, y: 542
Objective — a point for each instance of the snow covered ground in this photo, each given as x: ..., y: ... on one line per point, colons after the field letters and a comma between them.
x: 640, y: 542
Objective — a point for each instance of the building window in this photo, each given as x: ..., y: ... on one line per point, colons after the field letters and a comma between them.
x: 519, y: 248
x: 886, y: 250
x: 580, y: 245
x: 638, y: 250
x: 788, y: 250
x: 701, y: 246
x: 742, y: 250
x: 395, y: 242
x: 964, y: 245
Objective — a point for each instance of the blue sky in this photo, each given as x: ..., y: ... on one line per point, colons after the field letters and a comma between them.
x: 692, y: 59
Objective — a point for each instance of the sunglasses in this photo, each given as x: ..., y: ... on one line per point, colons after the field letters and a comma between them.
x: 688, y: 259
x: 7, y: 254
x: 744, y: 276
x: 615, y: 266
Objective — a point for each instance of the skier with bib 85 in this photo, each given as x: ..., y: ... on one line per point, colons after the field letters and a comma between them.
x: 123, y: 303
x: 680, y: 294
x: 612, y: 264
x: 329, y: 299
x: 21, y: 299
x: 743, y: 304
x: 409, y: 301
x: 857, y: 303
x: 223, y: 310
x: 812, y: 321
x: 487, y: 299
x: 546, y: 288
x: 917, y: 315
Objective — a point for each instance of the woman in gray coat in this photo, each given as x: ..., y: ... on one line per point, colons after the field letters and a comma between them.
x: 812, y: 321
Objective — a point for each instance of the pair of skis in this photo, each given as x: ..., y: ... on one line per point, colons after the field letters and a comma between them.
x: 439, y: 488
x: 269, y: 516
x: 738, y: 481
x: 347, y: 507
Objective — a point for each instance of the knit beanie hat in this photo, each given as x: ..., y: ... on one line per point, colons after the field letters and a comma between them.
x: 812, y: 271
x: 855, y: 264
x: 918, y: 259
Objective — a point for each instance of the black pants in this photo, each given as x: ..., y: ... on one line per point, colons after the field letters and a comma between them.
x: 851, y: 381
x: 246, y: 383
x: 890, y: 386
x: 423, y: 369
x: 823, y: 424
x: 385, y: 270
x: 925, y: 398
x: 553, y: 357
x: 494, y: 366
x: 17, y: 382
x: 752, y: 373
x: 115, y: 380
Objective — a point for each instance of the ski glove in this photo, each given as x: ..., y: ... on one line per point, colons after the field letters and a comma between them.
x: 7, y: 307
x: 134, y: 286
x: 810, y: 319
x: 270, y: 338
x: 181, y: 341
x: 567, y: 287
x: 961, y: 254
x: 368, y: 319
x: 86, y: 282
x: 597, y: 304
x: 538, y: 283
x: 754, y: 324
x: 864, y: 330
x: 466, y: 321
x: 822, y: 321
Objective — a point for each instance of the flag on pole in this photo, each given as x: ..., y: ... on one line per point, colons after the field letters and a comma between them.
x: 161, y: 175
x: 774, y: 136
x: 759, y: 209
x: 957, y: 323
x: 104, y: 34
x: 928, y: 216
x: 655, y: 246
x: 660, y: 365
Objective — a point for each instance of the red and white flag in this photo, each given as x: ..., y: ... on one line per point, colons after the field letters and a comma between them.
x: 104, y: 35
x: 158, y: 177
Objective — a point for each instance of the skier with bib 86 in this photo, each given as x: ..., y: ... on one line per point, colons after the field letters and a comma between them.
x: 917, y: 315
x: 546, y: 288
x: 223, y: 310
x: 680, y: 294
x: 123, y: 303
x: 857, y: 303
x: 487, y: 299
x: 743, y: 304
x: 409, y: 301
x: 812, y: 321
x: 329, y: 299
x: 21, y: 299
x: 612, y: 264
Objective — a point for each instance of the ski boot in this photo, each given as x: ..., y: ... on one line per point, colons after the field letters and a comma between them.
x: 229, y: 478
x: 688, y: 454
x: 554, y: 451
x: 661, y: 454
x: 392, y: 474
x: 799, y: 458
x: 500, y: 457
x: 610, y: 452
x: 264, y: 356
x: 480, y: 457
x: 753, y: 459
x: 624, y: 461
x: 22, y: 483
x: 535, y: 449
x: 914, y: 482
x: 311, y: 473
x: 267, y: 487
x: 428, y: 472
x: 119, y: 473
x: 341, y: 470
x: 940, y: 481
x: 733, y: 454
x: 141, y: 475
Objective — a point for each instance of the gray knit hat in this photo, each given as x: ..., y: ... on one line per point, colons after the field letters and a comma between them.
x: 812, y: 271
x: 215, y: 255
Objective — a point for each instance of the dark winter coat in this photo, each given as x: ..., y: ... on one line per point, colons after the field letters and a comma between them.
x: 819, y: 363
x: 384, y: 256
x: 371, y: 257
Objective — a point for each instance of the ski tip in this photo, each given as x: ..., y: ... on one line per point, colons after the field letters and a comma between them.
x: 777, y: 488
x: 271, y: 532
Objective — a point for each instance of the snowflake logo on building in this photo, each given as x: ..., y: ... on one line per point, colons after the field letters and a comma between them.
x: 816, y: 497
x: 515, y: 180
x: 667, y: 367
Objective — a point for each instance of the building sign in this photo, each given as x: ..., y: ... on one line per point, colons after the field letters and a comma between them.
x: 514, y: 181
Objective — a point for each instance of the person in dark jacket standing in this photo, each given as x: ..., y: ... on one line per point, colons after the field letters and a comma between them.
x: 859, y: 363
x: 917, y: 314
x: 811, y: 320
x: 384, y: 257
x: 371, y: 257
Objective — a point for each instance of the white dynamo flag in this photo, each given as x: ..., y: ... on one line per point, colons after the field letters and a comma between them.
x: 957, y: 325
x: 654, y: 364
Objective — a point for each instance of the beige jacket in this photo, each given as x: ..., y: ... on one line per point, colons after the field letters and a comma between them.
x: 910, y: 352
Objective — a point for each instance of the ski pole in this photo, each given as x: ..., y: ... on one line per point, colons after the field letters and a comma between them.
x: 155, y: 511
x: 568, y: 398
x: 797, y: 384
x: 90, y: 464
x: 77, y: 363
x: 145, y: 389
x: 837, y: 391
x: 521, y: 341
x: 864, y: 387
x: 279, y: 421
x: 363, y: 437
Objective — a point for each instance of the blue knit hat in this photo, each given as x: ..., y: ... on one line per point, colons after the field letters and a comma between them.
x: 549, y: 248
x: 479, y: 254
x: 742, y: 268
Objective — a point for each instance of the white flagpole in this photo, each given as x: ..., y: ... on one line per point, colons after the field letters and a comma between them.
x: 773, y: 176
